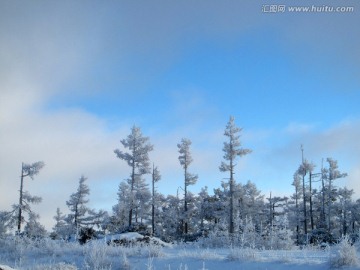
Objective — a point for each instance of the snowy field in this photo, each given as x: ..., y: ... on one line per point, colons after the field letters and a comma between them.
x: 48, y: 254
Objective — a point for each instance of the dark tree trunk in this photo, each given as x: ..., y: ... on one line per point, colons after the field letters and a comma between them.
x: 21, y: 198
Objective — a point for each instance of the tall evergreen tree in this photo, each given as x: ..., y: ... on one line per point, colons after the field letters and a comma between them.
x: 304, y: 169
x: 61, y: 228
x: 331, y: 174
x: 345, y: 207
x: 296, y: 197
x: 189, y: 178
x: 120, y: 210
x: 155, y: 178
x: 27, y: 170
x: 33, y: 229
x: 78, y: 206
x: 232, y: 149
x: 137, y: 158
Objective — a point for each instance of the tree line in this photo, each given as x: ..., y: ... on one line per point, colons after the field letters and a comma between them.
x: 317, y: 211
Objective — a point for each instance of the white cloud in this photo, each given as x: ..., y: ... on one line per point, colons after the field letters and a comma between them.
x: 298, y: 128
x: 71, y: 142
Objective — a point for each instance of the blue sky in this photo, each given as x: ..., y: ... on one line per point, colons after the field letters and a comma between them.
x: 74, y: 78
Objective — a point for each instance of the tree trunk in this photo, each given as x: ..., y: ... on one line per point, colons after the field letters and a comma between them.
x: 323, y: 221
x: 185, y: 203
x: 311, y: 204
x: 271, y: 212
x: 153, y: 203
x: 329, y: 206
x: 132, y: 193
x: 21, y: 198
x: 304, y: 205
x: 297, y: 215
x: 231, y: 225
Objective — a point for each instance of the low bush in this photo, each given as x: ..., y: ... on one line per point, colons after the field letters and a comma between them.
x: 346, y: 255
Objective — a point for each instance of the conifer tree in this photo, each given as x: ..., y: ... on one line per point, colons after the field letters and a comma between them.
x: 189, y: 178
x: 138, y: 160
x: 27, y: 170
x: 232, y: 150
x: 60, y: 229
x: 155, y: 178
x: 78, y: 206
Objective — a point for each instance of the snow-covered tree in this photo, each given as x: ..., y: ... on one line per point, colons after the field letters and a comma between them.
x: 33, y: 228
x: 170, y: 228
x: 138, y: 159
x: 304, y: 169
x: 249, y: 237
x: 232, y: 149
x: 61, y: 228
x: 277, y: 207
x: 189, y: 178
x: 77, y: 205
x: 7, y: 222
x: 121, y: 209
x: 142, y: 201
x: 330, y: 174
x: 344, y: 209
x: 25, y: 199
x: 282, y: 235
x: 294, y: 205
x: 248, y: 201
x: 155, y: 178
x: 81, y: 215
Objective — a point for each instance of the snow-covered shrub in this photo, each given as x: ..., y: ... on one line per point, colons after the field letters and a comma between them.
x: 240, y: 254
x: 6, y: 223
x: 207, y: 254
x: 33, y: 229
x: 346, y: 255
x: 150, y: 265
x: 217, y: 237
x: 199, y: 253
x: 248, y: 237
x: 86, y: 234
x: 125, y: 264
x: 57, y: 266
x: 320, y: 236
x: 155, y: 251
x: 15, y: 248
x: 96, y: 256
x: 278, y: 235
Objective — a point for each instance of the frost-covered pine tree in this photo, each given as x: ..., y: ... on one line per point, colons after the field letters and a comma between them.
x: 304, y: 169
x: 61, y: 228
x: 249, y: 201
x: 344, y: 209
x: 142, y: 201
x: 138, y: 160
x: 118, y: 221
x: 330, y: 174
x: 33, y: 229
x: 78, y: 206
x: 205, y: 210
x: 294, y: 213
x: 155, y: 178
x: 171, y: 228
x: 6, y: 222
x: 232, y: 150
x: 282, y: 235
x: 25, y: 199
x: 189, y: 178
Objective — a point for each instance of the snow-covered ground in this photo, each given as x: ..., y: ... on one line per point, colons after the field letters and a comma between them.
x: 51, y: 255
